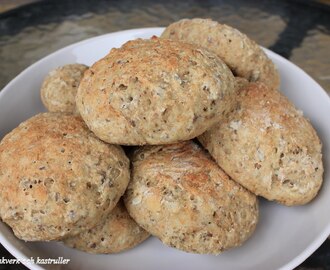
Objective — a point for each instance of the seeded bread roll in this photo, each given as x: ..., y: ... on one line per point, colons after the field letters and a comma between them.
x: 57, y: 178
x: 117, y: 233
x: 154, y: 92
x: 244, y: 57
x: 179, y: 194
x: 267, y: 146
x: 58, y: 91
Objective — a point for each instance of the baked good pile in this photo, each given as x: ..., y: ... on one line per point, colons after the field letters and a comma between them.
x: 174, y: 137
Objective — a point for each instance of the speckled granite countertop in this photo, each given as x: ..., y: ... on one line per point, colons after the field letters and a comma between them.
x: 297, y: 30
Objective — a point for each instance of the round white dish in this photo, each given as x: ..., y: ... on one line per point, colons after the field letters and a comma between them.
x: 285, y: 236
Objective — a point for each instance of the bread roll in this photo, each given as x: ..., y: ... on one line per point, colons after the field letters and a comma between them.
x: 267, y: 146
x: 154, y: 92
x: 179, y: 194
x: 57, y: 178
x: 117, y: 233
x: 59, y: 89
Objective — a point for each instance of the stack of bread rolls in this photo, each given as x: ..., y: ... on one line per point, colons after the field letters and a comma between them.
x: 205, y: 128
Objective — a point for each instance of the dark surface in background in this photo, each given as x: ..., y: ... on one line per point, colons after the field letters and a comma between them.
x: 300, y: 15
x: 4, y: 253
x: 303, y: 22
x: 300, y: 19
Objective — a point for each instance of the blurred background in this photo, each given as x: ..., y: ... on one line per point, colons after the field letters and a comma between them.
x: 299, y: 30
x: 30, y: 30
x: 6, y: 5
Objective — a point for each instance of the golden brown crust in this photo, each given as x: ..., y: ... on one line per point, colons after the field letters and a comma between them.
x: 179, y: 194
x: 244, y: 57
x: 268, y: 146
x: 119, y: 232
x: 58, y: 90
x: 57, y: 178
x: 154, y: 92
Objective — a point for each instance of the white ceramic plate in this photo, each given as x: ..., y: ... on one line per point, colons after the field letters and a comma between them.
x: 285, y: 236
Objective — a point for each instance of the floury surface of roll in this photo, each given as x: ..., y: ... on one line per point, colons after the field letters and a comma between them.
x: 268, y: 146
